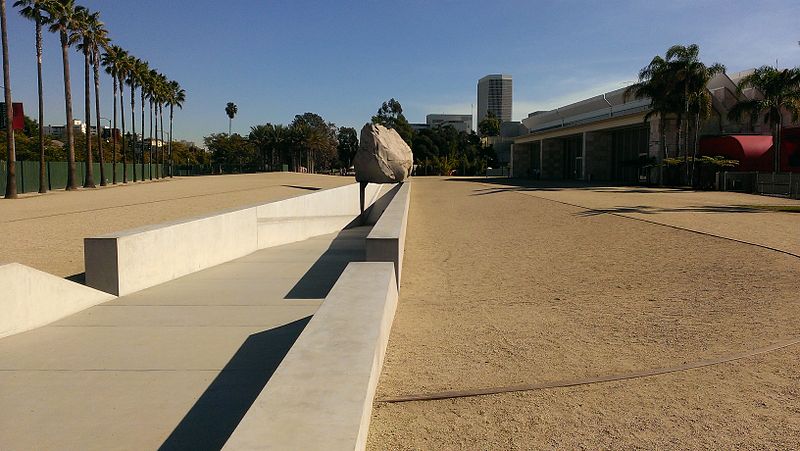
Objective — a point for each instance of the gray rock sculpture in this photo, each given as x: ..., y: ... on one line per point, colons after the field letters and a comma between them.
x: 382, y: 156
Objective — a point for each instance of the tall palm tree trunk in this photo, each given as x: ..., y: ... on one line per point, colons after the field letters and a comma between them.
x: 163, y: 150
x: 89, y: 182
x: 42, y: 168
x: 171, y: 159
x: 11, y: 181
x: 114, y: 136
x: 150, y: 146
x: 96, y: 66
x: 141, y: 90
x: 776, y: 130
x: 72, y: 184
x: 122, y: 118
x: 133, y: 130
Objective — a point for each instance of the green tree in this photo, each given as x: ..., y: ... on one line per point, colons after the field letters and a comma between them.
x: 63, y: 18
x: 314, y: 137
x: 780, y: 91
x: 34, y: 11
x: 347, y: 146
x: 691, y: 76
x: 390, y: 115
x: 260, y: 137
x: 231, y: 150
x: 490, y: 125
x: 676, y: 85
x: 83, y: 24
x: 231, y: 109
x: 98, y: 39
x: 175, y: 98
x: 112, y: 60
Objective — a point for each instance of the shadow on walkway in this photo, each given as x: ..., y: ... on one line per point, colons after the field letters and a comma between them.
x: 316, y: 283
x: 214, y: 416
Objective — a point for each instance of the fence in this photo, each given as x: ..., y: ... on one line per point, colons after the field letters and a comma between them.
x: 56, y: 174
x: 774, y: 184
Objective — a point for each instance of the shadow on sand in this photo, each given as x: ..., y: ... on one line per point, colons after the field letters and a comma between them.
x: 506, y: 185
x: 213, y: 418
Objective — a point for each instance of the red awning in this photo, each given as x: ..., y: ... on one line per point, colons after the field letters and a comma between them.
x: 753, y: 151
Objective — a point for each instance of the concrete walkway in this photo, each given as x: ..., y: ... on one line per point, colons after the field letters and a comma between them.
x: 172, y: 367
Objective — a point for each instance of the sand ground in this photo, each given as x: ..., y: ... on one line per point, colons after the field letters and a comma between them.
x: 47, y: 231
x: 508, y: 285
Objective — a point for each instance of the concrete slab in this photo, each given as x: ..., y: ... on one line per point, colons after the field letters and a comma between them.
x: 386, y: 241
x: 174, y: 366
x: 121, y: 263
x: 320, y: 397
x: 30, y: 298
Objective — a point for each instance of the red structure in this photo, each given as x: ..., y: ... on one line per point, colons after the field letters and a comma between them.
x: 19, y: 116
x: 755, y: 152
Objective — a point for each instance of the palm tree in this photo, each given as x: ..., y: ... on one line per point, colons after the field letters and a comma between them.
x: 11, y: 182
x: 691, y: 76
x: 133, y: 65
x: 112, y: 59
x: 163, y: 95
x: 123, y: 68
x: 34, y: 10
x: 142, y: 72
x: 780, y: 90
x: 82, y: 26
x: 176, y: 98
x: 655, y: 83
x: 62, y: 17
x: 231, y: 110
x: 260, y: 137
x: 100, y: 41
x: 151, y: 93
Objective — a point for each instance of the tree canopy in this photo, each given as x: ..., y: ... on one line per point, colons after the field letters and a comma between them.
x: 490, y: 125
x: 390, y: 115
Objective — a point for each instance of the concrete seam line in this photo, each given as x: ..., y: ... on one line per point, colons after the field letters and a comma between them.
x: 588, y: 381
x: 649, y: 221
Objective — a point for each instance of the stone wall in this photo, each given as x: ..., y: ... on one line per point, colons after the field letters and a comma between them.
x: 598, y: 156
x: 552, y: 159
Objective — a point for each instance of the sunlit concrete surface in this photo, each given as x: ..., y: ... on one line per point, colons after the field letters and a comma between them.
x: 174, y: 366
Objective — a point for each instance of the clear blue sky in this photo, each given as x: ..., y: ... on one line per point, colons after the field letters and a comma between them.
x: 341, y: 59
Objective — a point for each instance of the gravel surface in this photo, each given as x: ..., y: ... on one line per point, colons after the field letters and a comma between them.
x: 510, y: 285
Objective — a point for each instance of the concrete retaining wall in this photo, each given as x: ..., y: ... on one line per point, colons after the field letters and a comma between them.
x: 386, y: 242
x: 320, y: 397
x: 125, y: 262
x: 30, y: 298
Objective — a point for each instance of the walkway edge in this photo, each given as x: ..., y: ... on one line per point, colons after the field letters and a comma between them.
x: 320, y: 397
x: 125, y: 262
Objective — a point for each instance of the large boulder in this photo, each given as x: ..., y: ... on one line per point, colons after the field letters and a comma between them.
x: 382, y: 156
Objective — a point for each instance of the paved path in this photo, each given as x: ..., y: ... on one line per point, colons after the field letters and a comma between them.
x: 174, y: 366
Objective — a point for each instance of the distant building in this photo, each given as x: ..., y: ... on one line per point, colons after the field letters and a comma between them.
x: 611, y: 137
x: 495, y: 95
x: 18, y: 116
x: 418, y: 127
x: 503, y: 142
x: 461, y: 122
x: 60, y: 131
x: 107, y: 133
